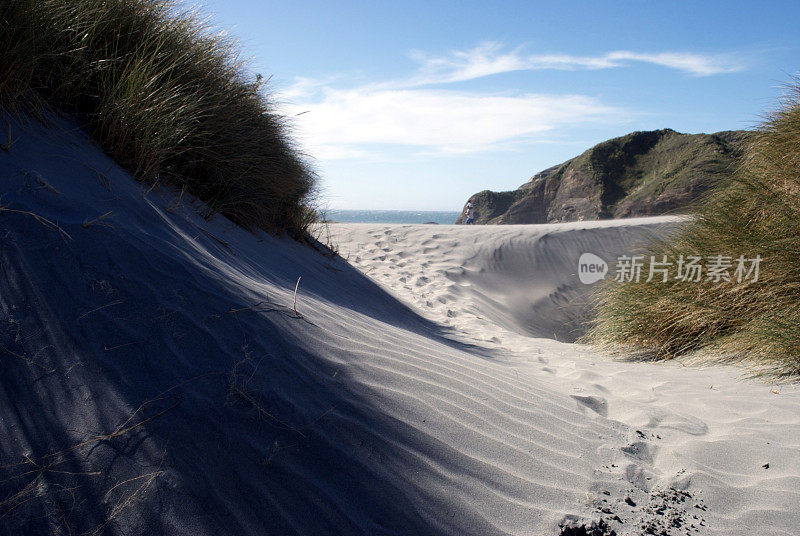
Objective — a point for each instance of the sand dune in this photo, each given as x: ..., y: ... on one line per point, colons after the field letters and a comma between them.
x: 521, y: 278
x: 701, y: 431
x: 156, y: 379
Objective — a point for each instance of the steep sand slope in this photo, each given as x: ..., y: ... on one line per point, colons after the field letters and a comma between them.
x: 155, y: 379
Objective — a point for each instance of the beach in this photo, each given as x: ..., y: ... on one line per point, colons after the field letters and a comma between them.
x: 171, y: 374
x: 195, y: 342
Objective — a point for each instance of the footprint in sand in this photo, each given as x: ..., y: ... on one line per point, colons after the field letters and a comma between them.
x: 597, y: 404
x: 422, y: 281
x: 640, y: 451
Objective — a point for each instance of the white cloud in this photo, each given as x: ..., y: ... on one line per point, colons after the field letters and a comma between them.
x: 694, y: 64
x: 343, y: 122
x: 352, y: 123
x: 490, y: 58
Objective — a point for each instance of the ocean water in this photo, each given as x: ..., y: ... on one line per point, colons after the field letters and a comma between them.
x: 392, y: 216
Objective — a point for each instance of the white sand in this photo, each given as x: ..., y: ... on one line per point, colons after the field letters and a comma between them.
x: 706, y: 431
x: 154, y: 379
x: 519, y: 278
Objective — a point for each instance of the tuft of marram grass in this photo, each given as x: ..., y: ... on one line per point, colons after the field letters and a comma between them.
x: 164, y: 95
x: 757, y: 212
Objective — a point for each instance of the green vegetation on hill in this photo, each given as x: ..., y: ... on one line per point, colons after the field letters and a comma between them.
x: 164, y: 95
x: 639, y: 174
x: 754, y: 213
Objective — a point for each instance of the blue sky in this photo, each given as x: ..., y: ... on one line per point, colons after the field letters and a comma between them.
x: 416, y: 105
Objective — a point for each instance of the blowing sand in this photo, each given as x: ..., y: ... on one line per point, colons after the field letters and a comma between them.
x: 156, y: 379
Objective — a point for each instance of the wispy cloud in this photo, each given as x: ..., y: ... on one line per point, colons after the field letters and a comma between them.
x: 694, y: 64
x: 491, y: 58
x: 304, y: 87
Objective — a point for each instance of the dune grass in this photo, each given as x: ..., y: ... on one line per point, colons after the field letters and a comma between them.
x: 164, y: 95
x: 757, y: 212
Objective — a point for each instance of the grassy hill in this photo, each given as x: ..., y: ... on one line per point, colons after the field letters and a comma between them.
x: 639, y: 174
x: 164, y: 94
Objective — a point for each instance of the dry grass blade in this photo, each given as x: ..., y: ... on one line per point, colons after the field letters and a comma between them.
x: 41, y: 219
x: 87, y: 313
x: 86, y: 224
x: 296, y: 286
x: 7, y: 146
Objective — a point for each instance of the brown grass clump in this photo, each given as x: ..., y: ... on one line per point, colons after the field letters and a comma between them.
x: 755, y: 213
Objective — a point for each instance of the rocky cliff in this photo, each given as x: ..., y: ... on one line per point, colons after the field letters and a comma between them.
x: 639, y: 174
